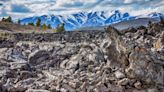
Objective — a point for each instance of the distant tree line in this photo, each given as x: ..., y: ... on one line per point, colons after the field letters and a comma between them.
x: 60, y: 28
x: 38, y: 24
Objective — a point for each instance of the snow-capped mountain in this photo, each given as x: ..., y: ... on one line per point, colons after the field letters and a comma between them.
x: 84, y: 19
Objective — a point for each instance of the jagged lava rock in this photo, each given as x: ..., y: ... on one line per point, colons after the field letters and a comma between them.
x: 90, y: 61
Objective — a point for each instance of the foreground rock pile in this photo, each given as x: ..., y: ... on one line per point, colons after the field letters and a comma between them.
x: 112, y: 61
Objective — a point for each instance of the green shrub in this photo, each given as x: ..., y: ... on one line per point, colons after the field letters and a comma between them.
x: 32, y: 24
x: 9, y: 19
x: 60, y: 28
x: 19, y: 22
x: 49, y: 26
x: 38, y: 23
x: 44, y: 27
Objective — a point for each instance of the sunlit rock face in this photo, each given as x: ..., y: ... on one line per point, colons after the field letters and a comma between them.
x: 88, y: 61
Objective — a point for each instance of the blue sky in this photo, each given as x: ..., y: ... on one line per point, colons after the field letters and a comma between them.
x: 27, y: 8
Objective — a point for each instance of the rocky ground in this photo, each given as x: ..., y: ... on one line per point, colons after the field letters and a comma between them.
x: 111, y: 61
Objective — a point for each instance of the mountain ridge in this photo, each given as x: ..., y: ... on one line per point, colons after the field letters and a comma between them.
x: 84, y: 19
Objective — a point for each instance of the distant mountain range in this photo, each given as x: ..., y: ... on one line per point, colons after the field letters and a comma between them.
x: 86, y: 20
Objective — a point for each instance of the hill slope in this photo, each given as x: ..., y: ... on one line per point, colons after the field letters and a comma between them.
x: 13, y: 27
x: 123, y: 25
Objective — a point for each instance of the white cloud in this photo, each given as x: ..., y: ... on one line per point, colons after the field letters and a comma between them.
x: 57, y: 7
x: 132, y: 1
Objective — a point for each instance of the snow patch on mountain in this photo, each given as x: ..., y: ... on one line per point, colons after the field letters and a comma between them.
x: 84, y: 19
